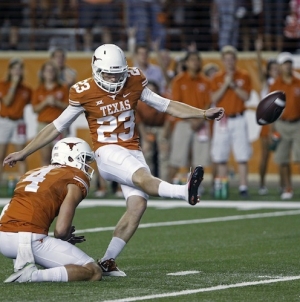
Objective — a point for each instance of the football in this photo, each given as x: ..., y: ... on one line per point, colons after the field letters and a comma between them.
x: 270, y: 108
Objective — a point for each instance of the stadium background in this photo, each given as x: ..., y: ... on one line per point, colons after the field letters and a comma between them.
x: 35, y: 40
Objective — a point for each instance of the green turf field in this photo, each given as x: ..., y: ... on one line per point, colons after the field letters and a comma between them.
x: 185, y: 254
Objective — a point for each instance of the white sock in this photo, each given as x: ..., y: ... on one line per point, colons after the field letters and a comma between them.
x: 115, y: 247
x: 166, y: 189
x: 55, y: 274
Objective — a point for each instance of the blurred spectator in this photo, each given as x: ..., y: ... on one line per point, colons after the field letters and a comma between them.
x: 191, y: 136
x: 292, y: 27
x: 41, y: 11
x: 148, y: 19
x: 197, y: 24
x: 229, y: 13
x: 154, y: 133
x: 14, y: 96
x: 96, y: 12
x: 165, y: 61
x: 152, y: 72
x: 214, y: 25
x: 12, y: 12
x: 67, y: 75
x: 267, y: 77
x: 210, y: 69
x: 179, y: 66
x: 231, y: 89
x: 49, y: 100
x: 274, y: 15
x: 251, y: 24
x: 173, y: 18
x: 288, y: 124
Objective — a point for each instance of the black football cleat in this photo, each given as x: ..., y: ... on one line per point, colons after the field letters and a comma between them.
x: 194, y: 184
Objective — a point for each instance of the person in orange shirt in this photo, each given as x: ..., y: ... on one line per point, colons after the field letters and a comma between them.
x: 49, y: 101
x: 40, y: 196
x: 109, y: 100
x: 288, y: 124
x: 231, y: 89
x: 193, y: 135
x: 14, y: 96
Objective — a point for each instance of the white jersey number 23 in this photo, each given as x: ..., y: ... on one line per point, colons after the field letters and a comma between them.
x: 126, y: 117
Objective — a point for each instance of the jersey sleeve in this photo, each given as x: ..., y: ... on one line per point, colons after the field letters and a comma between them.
x: 137, y: 77
x: 79, y: 92
x: 74, y: 97
x: 80, y: 180
x: 154, y: 100
x: 67, y: 117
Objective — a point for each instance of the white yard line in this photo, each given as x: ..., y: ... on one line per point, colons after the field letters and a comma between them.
x: 196, y: 221
x: 183, y: 273
x: 206, y: 289
x: 172, y: 204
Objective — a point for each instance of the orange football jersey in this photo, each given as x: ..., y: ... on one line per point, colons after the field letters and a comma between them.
x: 38, y: 197
x: 111, y: 117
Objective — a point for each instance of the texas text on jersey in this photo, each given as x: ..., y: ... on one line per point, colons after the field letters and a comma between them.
x: 111, y: 117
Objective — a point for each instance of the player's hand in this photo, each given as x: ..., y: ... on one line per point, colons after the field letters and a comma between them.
x: 214, y: 113
x: 76, y: 239
x: 12, y: 158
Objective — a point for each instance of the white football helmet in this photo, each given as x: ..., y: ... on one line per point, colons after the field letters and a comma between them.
x: 73, y: 152
x: 109, y: 58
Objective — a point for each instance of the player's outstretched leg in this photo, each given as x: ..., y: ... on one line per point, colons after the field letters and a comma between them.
x: 194, y: 184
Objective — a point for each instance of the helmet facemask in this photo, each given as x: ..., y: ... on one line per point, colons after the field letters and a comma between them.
x: 111, y: 87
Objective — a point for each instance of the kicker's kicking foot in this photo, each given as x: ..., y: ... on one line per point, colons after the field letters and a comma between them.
x: 194, y: 184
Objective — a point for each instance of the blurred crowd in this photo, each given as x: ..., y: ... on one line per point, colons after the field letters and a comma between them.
x: 170, y: 145
x: 176, y: 24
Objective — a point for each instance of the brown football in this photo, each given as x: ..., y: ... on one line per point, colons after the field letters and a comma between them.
x: 270, y: 108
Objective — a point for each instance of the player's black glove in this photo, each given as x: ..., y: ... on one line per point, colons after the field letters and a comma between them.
x: 75, y: 239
